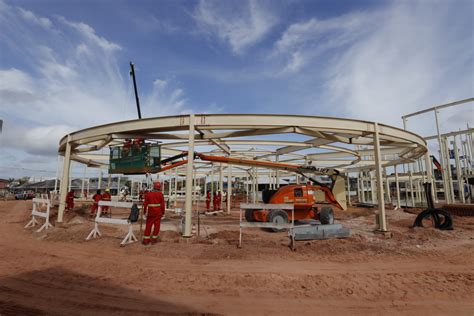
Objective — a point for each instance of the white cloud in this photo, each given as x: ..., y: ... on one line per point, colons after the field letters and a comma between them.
x: 240, y: 24
x: 89, y: 33
x: 73, y: 81
x: 42, y: 140
x: 30, y: 16
x: 379, y: 65
x: 305, y: 41
x: 413, y: 59
x: 164, y: 99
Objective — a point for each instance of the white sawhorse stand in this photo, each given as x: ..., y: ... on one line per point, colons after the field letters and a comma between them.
x: 129, y: 238
x: 35, y: 213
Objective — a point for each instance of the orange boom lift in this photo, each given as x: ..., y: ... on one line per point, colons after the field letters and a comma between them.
x: 305, y: 197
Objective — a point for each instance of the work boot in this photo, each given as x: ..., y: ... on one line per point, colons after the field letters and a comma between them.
x: 154, y: 240
x: 146, y: 242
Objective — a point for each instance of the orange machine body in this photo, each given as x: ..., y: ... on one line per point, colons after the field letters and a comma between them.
x: 303, y: 198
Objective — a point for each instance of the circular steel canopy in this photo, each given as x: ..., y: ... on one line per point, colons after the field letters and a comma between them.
x: 328, y: 142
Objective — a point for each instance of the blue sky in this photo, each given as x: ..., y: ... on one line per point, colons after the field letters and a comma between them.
x: 64, y: 64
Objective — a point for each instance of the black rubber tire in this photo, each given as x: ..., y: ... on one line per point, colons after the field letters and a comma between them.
x: 277, y: 215
x: 326, y: 215
x: 249, y: 216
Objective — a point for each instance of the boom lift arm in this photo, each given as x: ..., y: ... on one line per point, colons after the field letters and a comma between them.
x: 167, y: 164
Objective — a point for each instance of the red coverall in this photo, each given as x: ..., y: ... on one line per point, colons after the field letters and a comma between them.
x: 97, y: 197
x: 70, y: 200
x: 155, y: 205
x: 106, y: 197
x: 208, y: 201
x: 217, y: 201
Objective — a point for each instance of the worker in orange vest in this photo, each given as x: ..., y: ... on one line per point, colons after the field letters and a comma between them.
x: 106, y: 197
x: 96, y: 197
x: 154, y: 208
x: 208, y: 200
x: 70, y: 200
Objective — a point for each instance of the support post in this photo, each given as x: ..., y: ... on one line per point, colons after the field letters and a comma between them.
x: 358, y: 189
x: 449, y: 175
x: 205, y: 185
x: 348, y: 190
x: 410, y: 181
x: 441, y: 159
x: 387, y: 186
x: 373, y: 189
x: 212, y: 180
x: 229, y: 188
x: 221, y: 183
x: 99, y: 184
x: 118, y: 186
x: 57, y: 176
x: 175, y: 196
x: 397, y: 185
x: 64, y: 180
x: 83, y: 181
x: 277, y: 173
x: 429, y: 176
x: 189, y: 180
x: 378, y: 173
x: 69, y: 185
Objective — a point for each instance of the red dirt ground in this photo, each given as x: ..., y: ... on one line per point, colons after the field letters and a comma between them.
x: 417, y: 271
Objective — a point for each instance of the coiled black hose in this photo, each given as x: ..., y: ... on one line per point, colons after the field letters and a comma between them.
x: 441, y: 218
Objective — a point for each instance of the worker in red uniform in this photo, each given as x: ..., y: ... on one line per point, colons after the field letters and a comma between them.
x: 154, y: 208
x: 106, y: 197
x: 96, y: 197
x: 70, y: 200
x: 217, y: 201
x: 126, y: 146
x: 208, y: 201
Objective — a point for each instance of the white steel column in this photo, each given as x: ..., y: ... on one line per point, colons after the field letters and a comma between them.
x: 212, y: 180
x: 83, y: 181
x: 170, y: 184
x: 277, y: 173
x: 118, y: 185
x: 441, y: 159
x: 64, y: 180
x: 348, y: 190
x: 221, y: 183
x: 378, y: 173
x: 229, y: 187
x: 363, y: 187
x: 88, y: 187
x: 189, y: 180
x: 373, y: 189
x: 57, y: 176
x: 175, y: 196
x: 410, y: 181
x: 99, y: 184
x: 429, y: 176
x: 459, y: 171
x: 449, y: 173
x: 387, y: 186
x: 358, y: 189
x: 397, y: 185
x: 70, y: 178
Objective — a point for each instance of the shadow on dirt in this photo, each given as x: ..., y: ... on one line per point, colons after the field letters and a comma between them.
x: 63, y: 292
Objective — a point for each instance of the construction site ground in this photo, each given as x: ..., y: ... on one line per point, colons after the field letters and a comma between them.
x: 420, y: 271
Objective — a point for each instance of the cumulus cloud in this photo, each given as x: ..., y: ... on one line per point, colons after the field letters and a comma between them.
x: 239, y: 24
